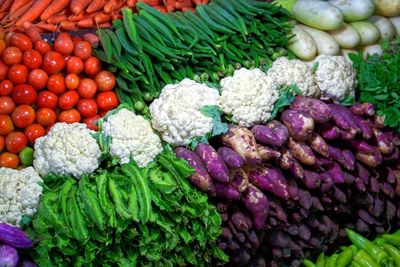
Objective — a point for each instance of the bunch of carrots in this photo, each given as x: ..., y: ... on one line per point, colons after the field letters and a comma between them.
x: 71, y: 15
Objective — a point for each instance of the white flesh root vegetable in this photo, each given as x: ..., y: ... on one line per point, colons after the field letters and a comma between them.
x: 302, y: 44
x: 385, y: 27
x: 346, y: 37
x: 371, y: 50
x: 318, y: 14
x: 354, y: 10
x: 396, y: 23
x: 387, y: 8
x: 368, y: 32
x: 326, y: 45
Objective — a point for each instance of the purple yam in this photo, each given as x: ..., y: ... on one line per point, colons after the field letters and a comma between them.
x: 226, y: 233
x: 267, y: 153
x: 363, y: 173
x: 397, y: 175
x: 326, y: 186
x: 281, y: 132
x: 360, y: 185
x: 344, y: 118
x: 318, y: 110
x: 349, y: 178
x: 347, y: 135
x: 362, y: 146
x: 231, y: 158
x: 392, y: 137
x: 288, y: 162
x: 304, y: 232
x: 390, y: 210
x: 376, y: 122
x: 239, y: 179
x: 366, y: 217
x: 385, y: 146
x: 278, y: 210
x: 390, y: 176
x: 213, y: 162
x: 257, y: 203
x: 200, y: 178
x: 293, y: 189
x: 339, y: 195
x: 336, y: 173
x: 373, y: 185
x: 227, y: 191
x: 363, y: 109
x: 317, y: 204
x: 240, y: 221
x: 387, y: 189
x: 302, y: 152
x: 362, y: 227
x: 299, y: 124
x: 264, y: 135
x: 305, y: 199
x: 328, y: 132
x: 322, y: 163
x: 393, y: 156
x: 311, y: 180
x: 336, y: 154
x: 319, y: 145
x: 371, y: 160
x: 349, y: 160
x: 366, y: 131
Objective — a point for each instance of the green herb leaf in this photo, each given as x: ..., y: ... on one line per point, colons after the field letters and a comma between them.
x: 286, y: 97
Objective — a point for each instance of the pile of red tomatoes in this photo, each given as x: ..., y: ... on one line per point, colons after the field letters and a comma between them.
x: 41, y: 84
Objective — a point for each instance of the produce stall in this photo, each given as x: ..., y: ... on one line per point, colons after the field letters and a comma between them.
x: 200, y: 133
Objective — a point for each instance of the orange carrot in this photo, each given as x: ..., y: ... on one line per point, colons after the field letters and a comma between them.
x: 161, y: 9
x: 178, y: 5
x: 56, y: 19
x: 130, y: 3
x: 68, y: 25
x: 6, y: 5
x: 101, y: 17
x: 17, y: 5
x: 77, y: 6
x: 152, y: 2
x: 95, y: 5
x: 110, y: 4
x: 115, y: 15
x: 32, y: 31
x: 55, y: 7
x: 105, y: 25
x: 86, y: 23
x: 34, y: 12
x: 205, y: 2
x: 48, y: 27
x: 191, y: 9
x: 17, y: 14
x: 170, y: 5
x: 82, y: 16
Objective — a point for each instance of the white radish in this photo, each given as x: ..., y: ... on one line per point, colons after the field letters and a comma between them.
x: 371, y: 50
x: 385, y: 27
x: 387, y: 8
x: 368, y: 32
x: 396, y: 23
x: 346, y: 37
x: 326, y: 45
x: 302, y: 44
x: 354, y: 10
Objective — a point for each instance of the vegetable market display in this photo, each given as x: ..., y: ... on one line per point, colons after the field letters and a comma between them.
x: 226, y: 150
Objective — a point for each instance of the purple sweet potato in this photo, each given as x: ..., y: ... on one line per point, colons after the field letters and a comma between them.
x: 304, y: 232
x: 347, y: 135
x: 258, y: 205
x: 363, y: 109
x: 360, y: 185
x: 239, y: 179
x: 243, y: 142
x: 393, y: 156
x: 231, y: 158
x: 392, y: 137
x: 328, y: 132
x: 302, y: 152
x: 349, y: 178
x: 227, y: 191
x: 267, y: 153
x: 371, y: 160
x: 326, y: 186
x: 390, y: 210
x: 213, y: 162
x: 293, y: 189
x: 305, y: 199
x: 317, y: 204
x: 390, y: 176
x: 264, y: 134
x: 339, y: 195
x: 363, y: 173
x: 397, y: 175
x: 336, y: 154
x: 336, y: 173
x: 240, y: 221
x: 349, y: 161
x: 318, y: 110
x: 311, y: 180
x: 200, y: 178
x: 278, y: 239
x: 323, y: 163
x: 373, y: 185
x: 319, y: 145
x: 366, y: 131
x: 385, y: 146
x: 299, y: 124
x: 344, y: 118
x: 280, y: 131
x: 362, y: 146
x: 376, y: 122
x: 366, y: 217
x: 288, y: 162
x: 387, y: 189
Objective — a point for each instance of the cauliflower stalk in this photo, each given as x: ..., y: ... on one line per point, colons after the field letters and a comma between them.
x: 248, y: 96
x: 131, y: 137
x: 19, y: 194
x: 177, y: 112
x: 67, y: 149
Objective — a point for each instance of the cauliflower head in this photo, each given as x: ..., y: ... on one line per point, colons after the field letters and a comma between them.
x: 19, y: 194
x: 131, y: 137
x: 287, y: 72
x: 249, y: 96
x: 176, y: 113
x: 67, y: 149
x: 335, y: 77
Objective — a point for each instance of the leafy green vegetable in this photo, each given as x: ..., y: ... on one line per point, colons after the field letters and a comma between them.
x: 286, y: 97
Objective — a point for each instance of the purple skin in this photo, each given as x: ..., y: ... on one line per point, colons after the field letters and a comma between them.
x: 14, y: 237
x: 359, y: 184
x: 231, y: 158
x: 264, y: 135
x: 344, y: 118
x: 366, y: 131
x: 304, y: 232
x: 382, y: 142
x: 387, y: 189
x: 226, y: 233
x: 267, y: 153
x: 299, y: 124
x: 339, y: 195
x: 213, y: 162
x: 362, y: 227
x: 390, y: 177
x: 305, y: 199
x: 349, y: 178
x: 279, y: 211
x: 371, y: 160
x: 394, y: 156
x: 8, y: 256
x: 336, y: 173
x: 373, y: 185
x: 328, y: 132
x: 363, y: 109
x: 366, y: 217
x: 349, y: 161
x: 200, y: 178
x: 363, y: 173
x: 336, y: 154
x: 319, y: 145
x: 377, y: 122
x: 322, y: 163
x: 240, y: 221
x: 226, y: 191
x: 278, y: 239
x: 311, y: 180
x: 281, y: 132
x: 239, y: 179
x: 28, y: 264
x: 317, y: 204
x: 293, y: 189
x: 347, y: 135
x: 362, y: 146
x: 397, y: 175
x: 326, y: 186
x: 392, y: 137
x: 390, y: 210
x: 258, y: 205
x: 302, y: 152
x: 318, y: 110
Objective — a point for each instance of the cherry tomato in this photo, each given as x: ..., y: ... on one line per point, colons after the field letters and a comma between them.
x: 53, y: 62
x: 23, y: 116
x: 76, y: 39
x: 38, y: 78
x: 69, y: 116
x: 92, y: 66
x: 6, y: 124
x: 15, y: 142
x: 105, y: 80
x: 2, y: 142
x: 74, y: 65
x: 45, y: 117
x: 12, y: 55
x: 64, y: 44
x: 9, y: 160
x: 32, y: 59
x: 68, y: 100
x: 56, y: 84
x: 87, y: 107
x: 42, y: 46
x: 47, y: 99
x: 18, y: 74
x: 21, y: 41
x: 90, y: 122
x: 24, y: 94
x: 83, y: 50
x: 72, y: 81
x: 6, y: 87
x: 107, y: 100
x: 3, y: 70
x: 102, y: 113
x: 7, y: 105
x: 2, y: 46
x: 87, y: 88
x: 34, y: 131
x: 7, y: 38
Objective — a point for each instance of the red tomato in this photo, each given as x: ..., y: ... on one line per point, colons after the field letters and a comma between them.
x: 87, y: 88
x: 21, y: 41
x: 7, y: 105
x: 45, y: 117
x: 87, y: 107
x: 24, y: 94
x: 6, y: 124
x: 68, y: 100
x: 53, y: 62
x: 15, y: 142
x: 105, y: 80
x: 2, y: 142
x: 3, y: 70
x: 64, y: 44
x: 47, y: 99
x: 83, y: 50
x: 9, y: 160
x: 90, y: 122
x: 42, y: 46
x: 92, y: 66
x: 23, y: 116
x: 18, y: 74
x: 6, y: 87
x: 72, y: 81
x: 102, y: 113
x: 38, y: 79
x: 32, y: 59
x: 74, y: 65
x: 69, y: 116
x: 12, y: 55
x: 56, y: 84
x: 34, y: 131
x: 107, y: 100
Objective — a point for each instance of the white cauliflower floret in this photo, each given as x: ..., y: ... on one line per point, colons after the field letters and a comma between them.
x: 176, y: 113
x: 287, y: 72
x: 67, y: 149
x: 249, y: 96
x: 19, y: 194
x: 131, y: 137
x: 335, y: 76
